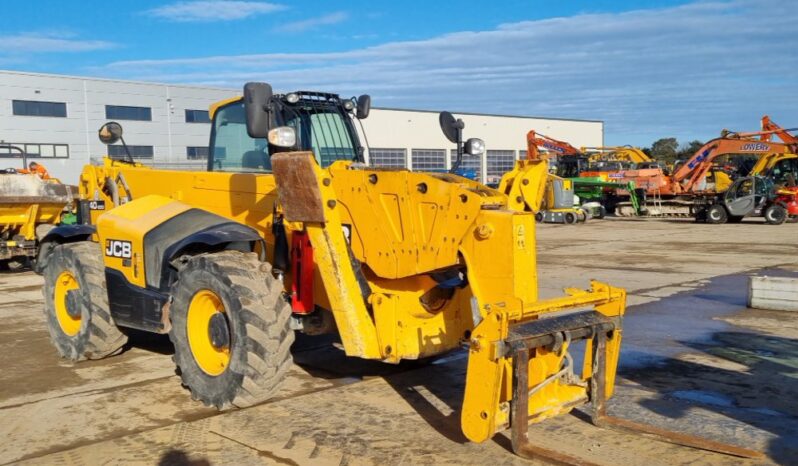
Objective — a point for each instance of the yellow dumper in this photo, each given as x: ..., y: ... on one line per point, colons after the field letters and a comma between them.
x: 27, y: 203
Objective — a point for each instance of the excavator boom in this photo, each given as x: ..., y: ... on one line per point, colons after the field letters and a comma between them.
x: 536, y: 140
x: 688, y: 176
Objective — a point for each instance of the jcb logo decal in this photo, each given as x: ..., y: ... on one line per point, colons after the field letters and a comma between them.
x: 116, y: 248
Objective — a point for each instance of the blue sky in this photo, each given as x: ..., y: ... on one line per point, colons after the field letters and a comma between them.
x: 649, y: 69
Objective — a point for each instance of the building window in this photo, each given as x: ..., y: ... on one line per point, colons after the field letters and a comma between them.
x: 471, y: 166
x: 35, y: 150
x: 138, y: 152
x: 429, y: 159
x: 388, y: 158
x: 197, y: 116
x: 499, y: 163
x: 120, y: 112
x: 197, y: 153
x: 36, y: 108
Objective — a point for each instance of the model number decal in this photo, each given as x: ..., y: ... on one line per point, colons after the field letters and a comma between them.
x: 97, y: 205
x: 117, y: 248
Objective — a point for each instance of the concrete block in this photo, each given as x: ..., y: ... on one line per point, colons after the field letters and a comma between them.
x: 773, y: 293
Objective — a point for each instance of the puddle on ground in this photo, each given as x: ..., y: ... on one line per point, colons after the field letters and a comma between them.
x: 655, y: 331
x: 715, y: 399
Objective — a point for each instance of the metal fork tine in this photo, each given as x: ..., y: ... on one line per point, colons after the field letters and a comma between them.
x: 519, y: 420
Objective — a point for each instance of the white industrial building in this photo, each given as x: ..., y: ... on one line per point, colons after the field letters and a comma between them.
x: 55, y: 119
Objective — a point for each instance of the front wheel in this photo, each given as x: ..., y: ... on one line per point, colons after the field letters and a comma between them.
x: 775, y: 214
x: 716, y: 214
x: 76, y: 303
x: 230, y: 329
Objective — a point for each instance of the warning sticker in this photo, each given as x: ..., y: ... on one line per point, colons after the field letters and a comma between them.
x: 520, y: 237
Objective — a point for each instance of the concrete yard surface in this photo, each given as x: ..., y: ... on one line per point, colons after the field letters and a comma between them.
x: 694, y: 360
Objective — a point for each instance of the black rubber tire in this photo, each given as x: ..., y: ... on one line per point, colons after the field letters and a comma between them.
x: 602, y: 212
x: 15, y: 264
x: 792, y: 219
x: 716, y: 214
x: 258, y: 318
x: 775, y: 214
x: 539, y: 217
x: 98, y: 336
x: 570, y: 218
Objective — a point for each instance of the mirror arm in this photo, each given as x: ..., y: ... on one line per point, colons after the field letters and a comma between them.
x: 127, y: 151
x: 459, y: 159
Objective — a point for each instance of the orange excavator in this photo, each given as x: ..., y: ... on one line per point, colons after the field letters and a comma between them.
x: 770, y: 128
x: 537, y: 140
x: 674, y: 195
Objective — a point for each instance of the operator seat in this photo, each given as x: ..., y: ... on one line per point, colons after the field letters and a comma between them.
x: 255, y: 159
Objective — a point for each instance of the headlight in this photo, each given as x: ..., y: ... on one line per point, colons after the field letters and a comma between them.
x: 292, y: 98
x: 474, y: 146
x: 282, y: 136
x: 349, y: 105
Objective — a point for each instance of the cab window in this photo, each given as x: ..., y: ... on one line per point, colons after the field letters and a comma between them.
x: 745, y: 188
x: 783, y: 169
x: 324, y: 132
x: 232, y: 150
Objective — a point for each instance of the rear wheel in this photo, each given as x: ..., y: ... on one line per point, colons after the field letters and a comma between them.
x: 230, y: 329
x: 775, y: 214
x: 716, y: 214
x: 76, y: 303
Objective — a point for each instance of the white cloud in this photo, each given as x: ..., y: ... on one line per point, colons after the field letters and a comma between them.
x: 213, y: 10
x: 310, y: 23
x: 685, y: 71
x: 47, y: 42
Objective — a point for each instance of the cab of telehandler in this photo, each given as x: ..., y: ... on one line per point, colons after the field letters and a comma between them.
x: 247, y: 132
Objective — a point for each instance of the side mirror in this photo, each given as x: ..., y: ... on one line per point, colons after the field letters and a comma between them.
x: 257, y: 97
x: 110, y: 133
x: 474, y: 146
x: 363, y: 106
x: 451, y: 128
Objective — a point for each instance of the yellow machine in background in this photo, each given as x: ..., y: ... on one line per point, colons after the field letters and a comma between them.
x: 289, y: 230
x: 618, y: 153
x: 28, y: 204
x: 530, y: 187
x: 781, y: 168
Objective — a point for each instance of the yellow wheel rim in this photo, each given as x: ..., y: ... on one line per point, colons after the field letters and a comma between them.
x: 204, y: 305
x: 65, y: 283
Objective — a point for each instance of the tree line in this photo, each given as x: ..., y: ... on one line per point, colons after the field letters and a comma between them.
x: 669, y: 149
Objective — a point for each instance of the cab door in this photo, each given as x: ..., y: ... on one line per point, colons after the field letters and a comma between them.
x: 740, y: 197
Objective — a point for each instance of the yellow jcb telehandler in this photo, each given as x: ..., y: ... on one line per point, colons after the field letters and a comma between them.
x: 289, y: 230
